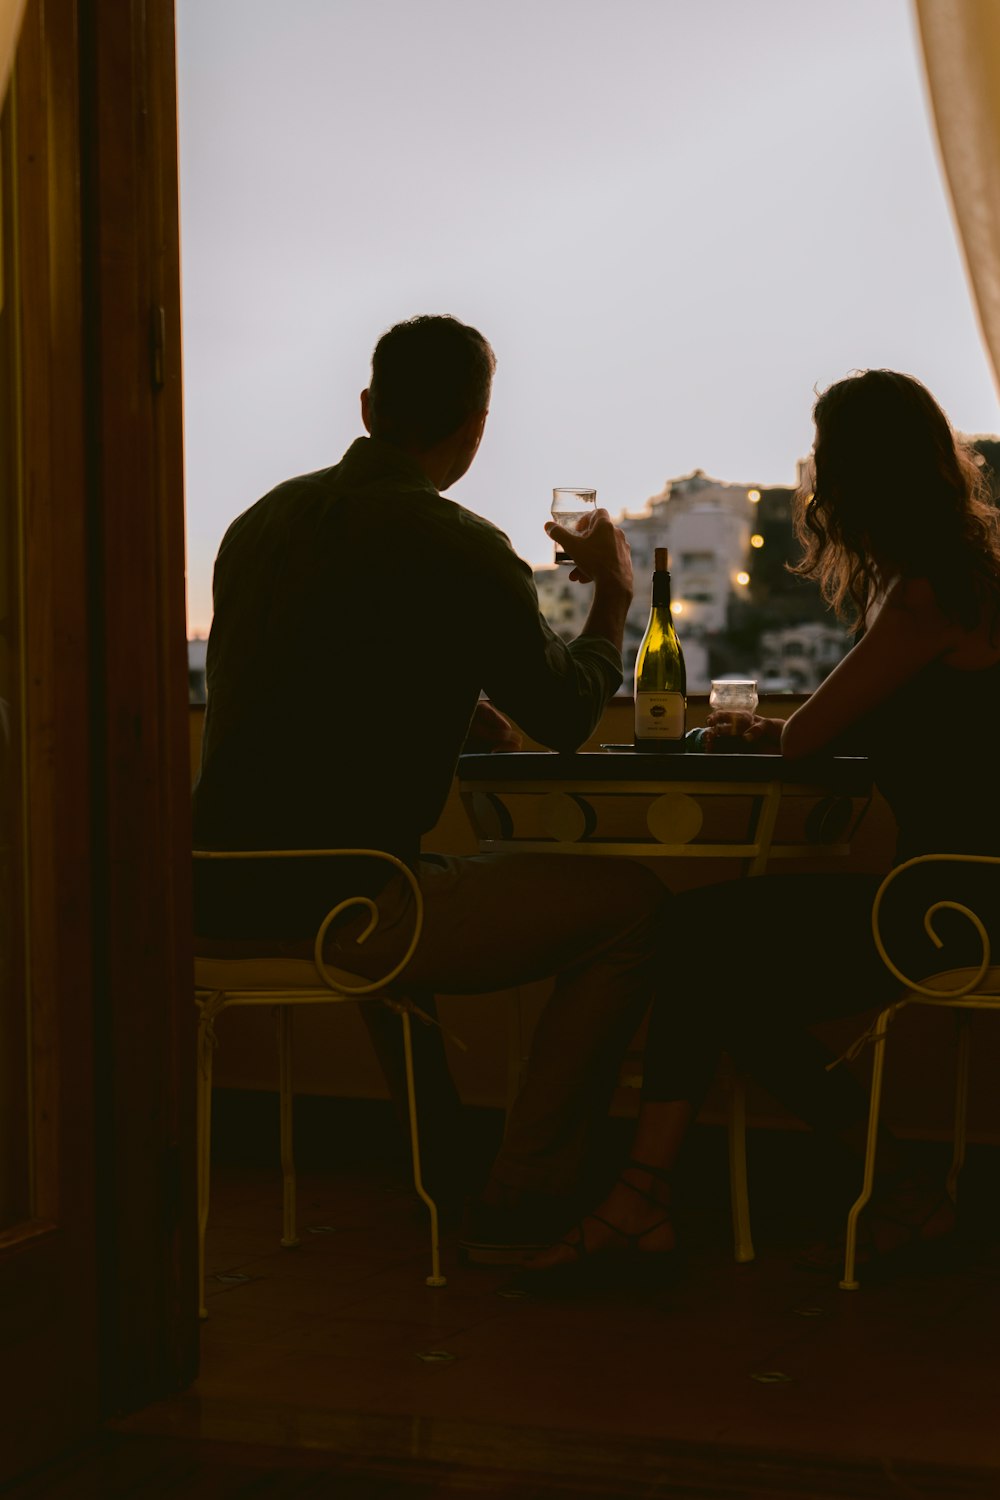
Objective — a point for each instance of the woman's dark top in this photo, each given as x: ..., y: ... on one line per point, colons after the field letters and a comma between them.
x: 935, y: 752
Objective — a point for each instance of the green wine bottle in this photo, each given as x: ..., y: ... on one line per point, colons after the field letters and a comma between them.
x: 660, y: 679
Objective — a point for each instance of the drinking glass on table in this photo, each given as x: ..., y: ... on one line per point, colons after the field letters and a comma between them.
x: 733, y: 696
x: 574, y: 509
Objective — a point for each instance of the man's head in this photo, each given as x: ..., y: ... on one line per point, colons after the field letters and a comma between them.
x: 430, y: 387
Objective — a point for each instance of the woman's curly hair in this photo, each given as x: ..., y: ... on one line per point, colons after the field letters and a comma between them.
x: 894, y: 494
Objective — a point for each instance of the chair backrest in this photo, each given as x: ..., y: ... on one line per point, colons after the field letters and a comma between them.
x: 981, y: 981
x: 335, y: 979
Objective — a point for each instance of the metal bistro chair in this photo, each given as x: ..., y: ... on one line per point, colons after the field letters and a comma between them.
x: 962, y: 990
x: 221, y: 983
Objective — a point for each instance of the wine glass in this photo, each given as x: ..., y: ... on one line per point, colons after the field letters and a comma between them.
x: 571, y: 507
x: 732, y: 695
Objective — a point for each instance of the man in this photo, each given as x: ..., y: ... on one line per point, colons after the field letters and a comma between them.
x: 359, y: 616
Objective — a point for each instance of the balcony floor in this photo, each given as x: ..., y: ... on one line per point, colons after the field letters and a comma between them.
x: 708, y: 1379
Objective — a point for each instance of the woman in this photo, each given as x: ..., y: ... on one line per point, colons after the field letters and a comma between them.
x: 905, y: 544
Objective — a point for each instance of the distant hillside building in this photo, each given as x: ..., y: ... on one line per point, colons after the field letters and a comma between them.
x: 796, y: 658
x: 707, y: 526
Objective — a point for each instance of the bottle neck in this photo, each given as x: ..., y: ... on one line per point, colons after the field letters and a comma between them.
x: 661, y: 590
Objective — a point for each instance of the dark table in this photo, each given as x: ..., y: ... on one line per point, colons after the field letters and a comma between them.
x: 693, y: 805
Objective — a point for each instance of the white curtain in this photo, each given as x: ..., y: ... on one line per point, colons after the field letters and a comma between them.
x: 11, y: 12
x: 961, y: 48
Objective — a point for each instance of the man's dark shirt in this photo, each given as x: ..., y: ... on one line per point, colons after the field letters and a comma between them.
x: 358, y: 616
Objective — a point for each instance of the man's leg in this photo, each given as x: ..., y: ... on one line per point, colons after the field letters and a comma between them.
x: 495, y: 921
x: 754, y: 963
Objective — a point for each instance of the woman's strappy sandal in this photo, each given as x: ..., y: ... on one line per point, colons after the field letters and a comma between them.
x: 627, y: 1242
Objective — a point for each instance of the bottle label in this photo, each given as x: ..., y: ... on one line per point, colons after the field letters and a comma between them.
x: 659, y: 716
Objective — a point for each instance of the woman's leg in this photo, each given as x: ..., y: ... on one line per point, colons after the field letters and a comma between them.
x: 762, y: 961
x: 812, y: 937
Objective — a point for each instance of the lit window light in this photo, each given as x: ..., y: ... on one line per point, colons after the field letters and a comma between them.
x: 743, y: 579
x: 753, y: 496
x: 756, y: 540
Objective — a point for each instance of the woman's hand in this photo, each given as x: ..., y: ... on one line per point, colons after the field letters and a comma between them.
x: 756, y: 733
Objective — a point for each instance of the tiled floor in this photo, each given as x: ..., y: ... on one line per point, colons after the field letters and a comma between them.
x: 340, y: 1342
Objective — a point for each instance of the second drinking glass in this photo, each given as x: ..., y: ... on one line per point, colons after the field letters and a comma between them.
x: 733, y: 695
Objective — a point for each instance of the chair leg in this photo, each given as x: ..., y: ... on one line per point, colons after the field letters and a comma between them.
x: 849, y: 1283
x: 964, y: 1021
x: 738, y: 1190
x: 289, y: 1235
x: 435, y: 1278
x: 204, y: 1141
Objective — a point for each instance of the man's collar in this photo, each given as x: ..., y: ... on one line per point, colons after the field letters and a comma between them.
x: 374, y: 455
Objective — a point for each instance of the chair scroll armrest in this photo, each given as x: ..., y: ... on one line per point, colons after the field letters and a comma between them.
x: 330, y: 977
x: 929, y: 928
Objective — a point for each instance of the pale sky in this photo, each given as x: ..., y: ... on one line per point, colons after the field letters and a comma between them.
x: 672, y: 219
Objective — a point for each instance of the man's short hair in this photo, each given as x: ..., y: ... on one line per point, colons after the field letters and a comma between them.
x: 429, y: 375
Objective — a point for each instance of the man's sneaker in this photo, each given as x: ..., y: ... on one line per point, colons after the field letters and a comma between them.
x: 504, y: 1235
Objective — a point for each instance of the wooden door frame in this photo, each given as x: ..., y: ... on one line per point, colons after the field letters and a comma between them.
x: 109, y: 1259
x: 141, y: 785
